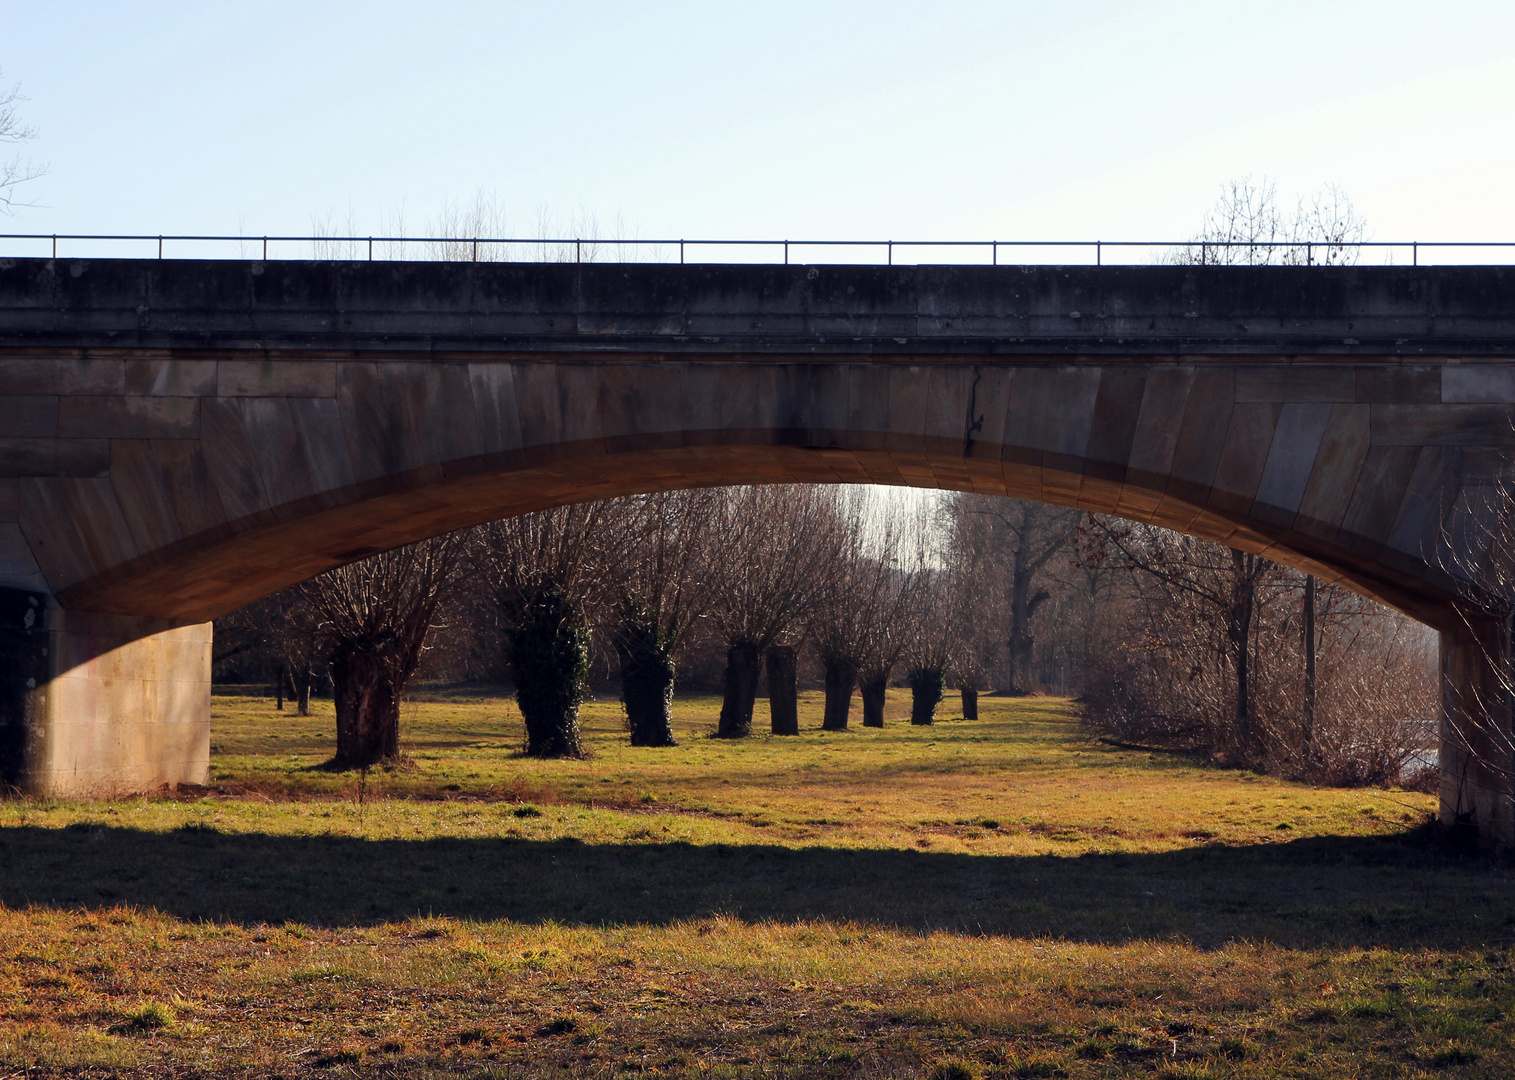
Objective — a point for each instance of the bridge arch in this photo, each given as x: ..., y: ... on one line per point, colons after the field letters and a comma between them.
x: 200, y: 435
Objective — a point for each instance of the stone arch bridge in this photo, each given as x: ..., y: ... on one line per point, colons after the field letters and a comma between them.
x: 178, y: 438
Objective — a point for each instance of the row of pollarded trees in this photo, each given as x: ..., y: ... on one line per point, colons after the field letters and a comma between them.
x: 757, y: 572
x: 1168, y: 638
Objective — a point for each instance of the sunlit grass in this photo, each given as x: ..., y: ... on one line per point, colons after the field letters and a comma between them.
x: 1009, y: 897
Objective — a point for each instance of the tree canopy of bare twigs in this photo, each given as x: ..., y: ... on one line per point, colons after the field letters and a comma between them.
x: 374, y: 616
x: 1246, y: 227
x: 768, y: 566
x: 16, y: 169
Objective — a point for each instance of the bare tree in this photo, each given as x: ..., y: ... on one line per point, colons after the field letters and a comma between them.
x: 660, y: 589
x: 374, y: 619
x: 1012, y: 540
x: 929, y: 650
x: 1247, y: 228
x: 17, y: 170
x: 768, y: 567
x: 544, y: 571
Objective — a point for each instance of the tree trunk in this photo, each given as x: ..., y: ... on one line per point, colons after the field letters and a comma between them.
x: 1309, y: 631
x: 279, y: 691
x: 1239, y: 631
x: 783, y: 692
x: 549, y: 659
x: 926, y: 686
x: 302, y: 691
x: 646, y: 685
x: 368, y: 710
x: 970, y: 703
x: 873, y: 690
x: 841, y: 677
x: 742, y: 667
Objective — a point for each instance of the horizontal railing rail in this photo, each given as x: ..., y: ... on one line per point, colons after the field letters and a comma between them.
x: 881, y: 252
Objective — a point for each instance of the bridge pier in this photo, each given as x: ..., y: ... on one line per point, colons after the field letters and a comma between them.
x: 99, y: 705
x: 1477, y: 751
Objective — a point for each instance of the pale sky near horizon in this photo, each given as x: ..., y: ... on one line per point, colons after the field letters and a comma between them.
x: 943, y: 120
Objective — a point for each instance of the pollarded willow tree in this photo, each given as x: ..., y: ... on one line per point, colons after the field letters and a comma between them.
x: 660, y: 589
x: 857, y: 627
x: 931, y: 643
x: 374, y: 617
x: 768, y: 565
x: 544, y: 571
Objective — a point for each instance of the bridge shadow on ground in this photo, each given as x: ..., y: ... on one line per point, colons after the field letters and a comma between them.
x: 1350, y: 891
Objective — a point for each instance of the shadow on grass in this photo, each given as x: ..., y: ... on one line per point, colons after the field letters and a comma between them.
x: 1348, y: 891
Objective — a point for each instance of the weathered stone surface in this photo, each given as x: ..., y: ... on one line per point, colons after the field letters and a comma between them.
x: 179, y: 438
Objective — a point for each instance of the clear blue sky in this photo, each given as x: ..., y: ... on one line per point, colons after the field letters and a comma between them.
x: 931, y: 119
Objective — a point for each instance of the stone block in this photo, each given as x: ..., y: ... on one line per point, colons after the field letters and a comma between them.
x: 1289, y: 383
x: 1159, y: 421
x: 1478, y: 384
x: 1112, y: 432
x: 231, y: 459
x: 1291, y: 460
x: 1399, y: 385
x: 87, y: 417
x: 494, y: 402
x: 1443, y: 425
x: 171, y: 378
x: 54, y: 457
x: 91, y: 376
x: 1202, y: 433
x: 276, y: 378
x: 1343, y: 447
x: 29, y: 416
x: 75, y: 529
x: 28, y: 375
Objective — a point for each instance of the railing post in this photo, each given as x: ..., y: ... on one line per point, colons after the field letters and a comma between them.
x: 681, y: 253
x: 160, y: 246
x: 55, y: 245
x: 265, y: 249
x: 994, y: 253
x: 1202, y: 253
x: 786, y: 252
x: 578, y: 251
x: 1099, y: 258
x: 475, y: 249
x: 891, y: 252
x: 370, y: 249
x: 1415, y: 253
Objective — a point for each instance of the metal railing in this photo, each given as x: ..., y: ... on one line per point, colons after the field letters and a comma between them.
x: 770, y: 252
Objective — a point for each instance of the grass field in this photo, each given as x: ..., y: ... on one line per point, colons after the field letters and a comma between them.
x: 1010, y: 897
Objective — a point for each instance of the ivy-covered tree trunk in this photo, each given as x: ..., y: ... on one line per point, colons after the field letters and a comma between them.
x: 549, y: 659
x: 926, y: 686
x: 783, y: 691
x: 873, y: 689
x: 368, y: 709
x: 646, y: 684
x: 743, y: 664
x: 970, y: 703
x: 841, y: 677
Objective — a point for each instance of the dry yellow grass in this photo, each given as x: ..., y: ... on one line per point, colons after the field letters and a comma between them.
x: 1009, y: 897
